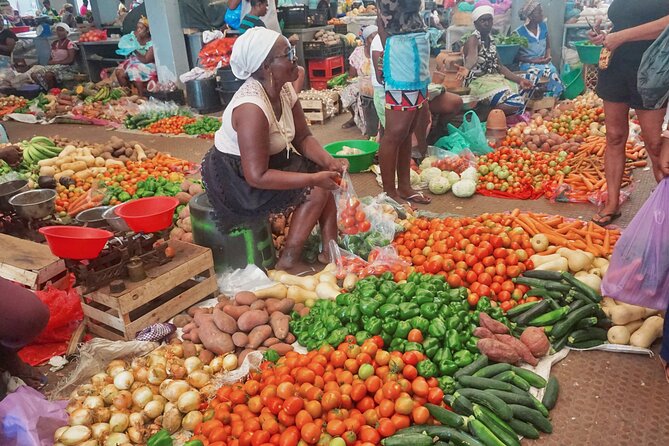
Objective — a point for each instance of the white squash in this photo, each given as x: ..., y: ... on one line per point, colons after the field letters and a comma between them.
x: 648, y: 333
x: 624, y: 314
x: 560, y: 264
x: 618, y: 334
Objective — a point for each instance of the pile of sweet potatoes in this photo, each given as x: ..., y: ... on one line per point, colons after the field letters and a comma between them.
x: 497, y: 344
x: 242, y: 324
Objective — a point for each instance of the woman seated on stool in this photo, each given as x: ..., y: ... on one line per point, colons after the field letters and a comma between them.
x: 265, y: 159
x: 485, y: 75
x: 139, y: 67
x: 360, y: 67
x: 61, y: 63
x: 536, y: 58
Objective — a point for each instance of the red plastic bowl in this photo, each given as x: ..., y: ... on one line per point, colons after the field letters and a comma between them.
x: 75, y: 242
x: 151, y: 214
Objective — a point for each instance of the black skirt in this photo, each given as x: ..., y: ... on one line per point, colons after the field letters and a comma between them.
x: 237, y: 203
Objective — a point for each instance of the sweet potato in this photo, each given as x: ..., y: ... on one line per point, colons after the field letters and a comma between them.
x: 271, y: 341
x: 195, y: 189
x: 252, y: 319
x: 258, y: 335
x: 282, y: 348
x: 285, y: 306
x: 224, y: 322
x: 240, y: 339
x: 304, y: 311
x: 193, y: 335
x: 183, y: 197
x: 212, y: 338
x: 242, y: 355
x: 536, y: 340
x: 245, y: 298
x: 195, y: 309
x: 188, y: 327
x: 498, y: 351
x: 482, y: 333
x: 258, y: 305
x: 189, y: 349
x: 236, y: 310
x: 290, y: 338
x: 181, y: 320
x: 206, y: 356
x: 279, y: 323
x: 520, y: 348
x: 298, y: 306
x: 491, y: 324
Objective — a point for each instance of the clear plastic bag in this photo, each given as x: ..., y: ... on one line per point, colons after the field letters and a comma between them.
x: 449, y: 160
x: 639, y: 270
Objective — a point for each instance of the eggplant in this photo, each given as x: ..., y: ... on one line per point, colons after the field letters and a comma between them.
x: 46, y: 182
x: 67, y: 181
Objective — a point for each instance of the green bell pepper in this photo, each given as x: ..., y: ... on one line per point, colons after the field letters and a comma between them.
x: 351, y: 327
x: 194, y: 443
x: 397, y: 344
x: 362, y: 336
x: 453, y: 340
x: 271, y: 355
x: 445, y: 312
x: 319, y: 334
x: 387, y: 276
x: 395, y: 298
x: 408, y: 289
x: 429, y: 310
x: 437, y: 328
x: 447, y: 367
x: 483, y: 304
x: 344, y: 299
x: 463, y: 358
x: 413, y: 347
x: 387, y: 288
x: 337, y: 337
x: 471, y: 344
x: 330, y: 322
x: 389, y: 326
x: 387, y: 338
x: 353, y: 314
x: 453, y: 323
x: 368, y: 306
x: 414, y: 277
x: 373, y: 325
x: 423, y: 295
x: 496, y: 313
x: 447, y: 384
x: 426, y: 368
x: 389, y: 311
x: 402, y: 330
x: 420, y: 323
x: 160, y: 438
x: 408, y: 310
x: 431, y: 346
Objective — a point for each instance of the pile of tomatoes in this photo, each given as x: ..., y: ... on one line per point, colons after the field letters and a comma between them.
x: 174, y: 125
x: 354, y: 395
x: 352, y: 218
x: 482, y: 253
x: 94, y: 35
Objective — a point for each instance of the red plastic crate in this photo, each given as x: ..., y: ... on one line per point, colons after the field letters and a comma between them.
x: 319, y: 85
x: 325, y: 69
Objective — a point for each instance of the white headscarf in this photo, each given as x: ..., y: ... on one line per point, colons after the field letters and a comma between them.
x: 250, y: 51
x: 368, y: 31
x: 480, y: 11
x: 65, y: 26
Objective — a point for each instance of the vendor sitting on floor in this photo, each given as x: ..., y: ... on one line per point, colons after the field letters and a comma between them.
x: 265, y: 159
x: 139, y: 67
x: 61, y: 63
x: 535, y: 59
x: 22, y: 318
x: 485, y: 75
x: 7, y: 43
x: 360, y: 67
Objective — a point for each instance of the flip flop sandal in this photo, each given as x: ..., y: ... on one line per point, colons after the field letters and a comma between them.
x: 606, y: 219
x: 418, y: 198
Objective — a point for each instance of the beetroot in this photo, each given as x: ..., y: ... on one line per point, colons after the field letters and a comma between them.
x: 536, y: 340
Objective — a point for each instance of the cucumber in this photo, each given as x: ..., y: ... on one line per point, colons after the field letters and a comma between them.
x: 587, y: 322
x: 498, y: 427
x: 480, y: 431
x: 538, y: 405
x: 565, y: 326
x: 484, y: 383
x: 524, y: 429
x: 587, y: 334
x: 529, y: 376
x: 474, y: 367
x: 551, y: 393
x: 460, y: 404
x: 445, y: 417
x: 543, y: 275
x: 444, y: 433
x: 506, y: 376
x: 532, y: 416
x: 517, y: 310
x: 488, y: 400
x: 587, y: 344
x: 513, y: 398
x: 408, y: 440
x: 492, y: 370
x: 520, y: 382
x: 543, y: 307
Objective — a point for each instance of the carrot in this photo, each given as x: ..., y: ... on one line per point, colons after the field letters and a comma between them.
x: 569, y: 227
x: 515, y: 213
x: 528, y: 221
x: 606, y: 247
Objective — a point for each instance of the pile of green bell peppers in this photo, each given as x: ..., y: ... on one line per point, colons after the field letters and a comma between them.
x: 379, y: 306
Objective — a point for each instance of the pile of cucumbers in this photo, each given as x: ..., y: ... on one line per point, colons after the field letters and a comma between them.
x: 492, y: 406
x: 569, y: 312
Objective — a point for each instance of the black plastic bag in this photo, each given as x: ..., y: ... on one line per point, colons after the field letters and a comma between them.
x: 653, y: 77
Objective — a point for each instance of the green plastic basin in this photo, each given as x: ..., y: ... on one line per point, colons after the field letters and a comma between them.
x: 357, y: 163
x: 588, y: 54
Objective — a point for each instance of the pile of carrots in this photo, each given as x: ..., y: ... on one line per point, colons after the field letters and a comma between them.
x: 88, y: 200
x: 568, y: 233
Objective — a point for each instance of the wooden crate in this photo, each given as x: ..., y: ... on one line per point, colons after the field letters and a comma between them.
x: 314, y: 110
x: 167, y: 291
x: 28, y: 263
x: 546, y: 103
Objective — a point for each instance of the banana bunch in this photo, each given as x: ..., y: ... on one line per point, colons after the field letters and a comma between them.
x: 37, y: 149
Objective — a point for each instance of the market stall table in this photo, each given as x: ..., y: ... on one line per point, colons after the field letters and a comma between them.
x: 28, y: 263
x: 97, y: 55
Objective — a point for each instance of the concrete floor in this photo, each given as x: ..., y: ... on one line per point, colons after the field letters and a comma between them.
x: 606, y: 399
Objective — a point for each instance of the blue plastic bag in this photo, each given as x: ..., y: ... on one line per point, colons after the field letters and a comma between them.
x: 639, y: 270
x: 233, y: 17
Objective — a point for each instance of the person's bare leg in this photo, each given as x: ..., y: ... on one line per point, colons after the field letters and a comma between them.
x: 50, y: 80
x: 351, y: 122
x: 651, y: 131
x: 398, y: 129
x: 141, y: 88
x: 122, y: 77
x: 420, y: 130
x: 617, y: 131
x: 446, y: 103
x: 328, y: 224
x: 307, y: 214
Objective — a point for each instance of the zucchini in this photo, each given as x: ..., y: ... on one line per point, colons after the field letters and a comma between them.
x: 488, y: 400
x: 497, y: 426
x: 555, y: 276
x: 587, y: 334
x: 575, y: 305
x: 587, y: 322
x: 550, y: 318
x: 518, y: 309
x: 565, y: 326
x: 484, y: 383
x: 580, y: 286
x: 492, y: 370
x: 559, y: 344
x: 407, y: 440
x: 529, y: 376
x: 444, y: 433
x: 480, y: 431
x: 460, y: 404
x: 543, y: 293
x: 604, y: 323
x: 551, y: 393
x: 445, y: 417
x: 538, y: 405
x: 547, y: 284
x: 474, y: 367
x: 543, y: 307
x: 580, y: 296
x: 532, y: 416
x: 506, y: 376
x: 587, y: 344
x: 520, y: 382
x: 513, y: 398
x: 554, y: 305
x: 524, y: 429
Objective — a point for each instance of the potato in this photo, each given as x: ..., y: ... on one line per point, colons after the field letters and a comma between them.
x: 279, y: 323
x: 176, y: 234
x: 185, y: 185
x: 185, y: 212
x: 258, y: 305
x: 206, y: 356
x: 236, y: 310
x: 187, y: 237
x: 251, y: 319
x: 283, y: 305
x: 188, y: 327
x: 282, y: 348
x: 304, y: 311
x: 195, y: 309
x: 290, y: 338
x: 224, y: 322
x: 180, y: 320
x: 195, y: 189
x: 212, y: 338
x: 189, y: 349
x: 245, y: 298
x: 128, y: 152
x: 115, y: 142
x: 240, y: 339
x: 183, y: 197
x: 118, y: 152
x: 242, y: 355
x: 270, y: 342
x: 186, y: 225
x: 258, y: 335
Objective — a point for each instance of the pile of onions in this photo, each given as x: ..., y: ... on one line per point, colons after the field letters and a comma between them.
x: 129, y: 402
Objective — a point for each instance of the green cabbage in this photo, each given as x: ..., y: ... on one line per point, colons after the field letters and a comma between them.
x: 439, y: 185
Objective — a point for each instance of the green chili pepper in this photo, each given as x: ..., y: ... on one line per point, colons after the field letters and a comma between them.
x: 426, y: 368
x: 437, y: 328
x: 463, y: 358
x: 402, y: 330
x: 161, y: 438
x: 408, y: 310
x: 496, y: 313
x: 420, y: 323
x: 429, y: 310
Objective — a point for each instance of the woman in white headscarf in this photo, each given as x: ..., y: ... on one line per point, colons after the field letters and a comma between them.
x: 265, y: 159
x: 61, y: 65
x: 485, y: 75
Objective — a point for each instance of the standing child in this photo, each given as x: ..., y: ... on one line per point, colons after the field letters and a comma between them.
x: 252, y: 19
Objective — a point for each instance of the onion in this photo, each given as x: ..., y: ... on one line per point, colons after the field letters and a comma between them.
x: 124, y: 380
x: 189, y: 401
x: 176, y: 350
x: 193, y: 363
x: 116, y: 439
x: 123, y: 400
x: 176, y: 388
x: 153, y: 409
x: 136, y: 419
x: 115, y: 370
x: 119, y: 422
x: 101, y: 379
x: 74, y: 435
x: 59, y: 432
x: 157, y: 375
x: 191, y: 420
x: 141, y: 396
x: 169, y: 406
x: 91, y: 442
x: 73, y: 405
x: 216, y: 364
x: 230, y: 362
x: 81, y: 417
x: 137, y: 363
x: 101, y: 415
x: 141, y: 374
x: 198, y: 379
x: 157, y: 360
x: 135, y: 435
x: 108, y: 393
x: 177, y: 371
x: 160, y: 398
x: 86, y: 390
x: 100, y: 430
x: 172, y: 420
x: 93, y: 402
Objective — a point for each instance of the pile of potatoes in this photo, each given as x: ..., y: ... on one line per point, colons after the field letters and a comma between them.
x: 632, y: 325
x: 116, y: 148
x: 245, y: 323
x: 327, y: 37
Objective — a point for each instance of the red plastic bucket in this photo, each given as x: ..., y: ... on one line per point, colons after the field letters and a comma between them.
x: 151, y: 214
x: 75, y: 242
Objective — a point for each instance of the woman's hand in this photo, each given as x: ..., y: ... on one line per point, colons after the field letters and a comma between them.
x: 525, y: 84
x: 337, y: 165
x: 613, y: 41
x: 326, y: 179
x: 463, y: 72
x: 597, y: 38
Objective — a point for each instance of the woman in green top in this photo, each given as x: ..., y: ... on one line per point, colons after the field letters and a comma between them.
x: 252, y: 19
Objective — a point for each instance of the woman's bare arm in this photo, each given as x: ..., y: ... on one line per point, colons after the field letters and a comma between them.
x: 647, y: 31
